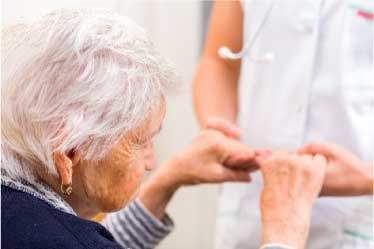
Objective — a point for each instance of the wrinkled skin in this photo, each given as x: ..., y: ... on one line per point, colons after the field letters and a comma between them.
x: 291, y: 185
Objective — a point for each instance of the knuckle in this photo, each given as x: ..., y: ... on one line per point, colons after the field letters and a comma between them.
x: 308, y: 170
x: 313, y: 145
x: 285, y: 161
x: 278, y: 159
x: 209, y: 138
x: 221, y: 173
x: 213, y: 145
x: 275, y: 163
x: 269, y: 163
x: 210, y: 135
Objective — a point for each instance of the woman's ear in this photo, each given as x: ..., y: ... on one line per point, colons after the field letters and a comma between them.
x: 75, y: 157
x: 64, y: 164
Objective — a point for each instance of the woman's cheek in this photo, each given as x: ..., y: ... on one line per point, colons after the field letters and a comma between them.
x: 134, y: 184
x: 122, y: 189
x: 124, y: 173
x: 134, y: 175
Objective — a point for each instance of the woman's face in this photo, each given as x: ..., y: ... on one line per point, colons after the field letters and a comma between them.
x: 112, y: 182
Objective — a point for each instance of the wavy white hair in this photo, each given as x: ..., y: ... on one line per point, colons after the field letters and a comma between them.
x: 75, y: 79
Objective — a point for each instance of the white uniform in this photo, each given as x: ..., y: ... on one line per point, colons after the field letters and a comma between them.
x: 317, y: 85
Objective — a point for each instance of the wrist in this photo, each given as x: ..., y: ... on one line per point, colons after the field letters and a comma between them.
x: 368, y: 177
x: 276, y: 245
x: 165, y: 179
x: 290, y: 227
x: 157, y: 192
x: 285, y: 233
x: 169, y: 175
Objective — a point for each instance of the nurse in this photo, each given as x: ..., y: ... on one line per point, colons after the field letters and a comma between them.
x: 299, y: 76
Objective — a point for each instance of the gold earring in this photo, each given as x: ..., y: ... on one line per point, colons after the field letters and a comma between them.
x: 66, y: 189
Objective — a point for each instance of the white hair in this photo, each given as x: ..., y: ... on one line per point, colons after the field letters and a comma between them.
x: 75, y: 80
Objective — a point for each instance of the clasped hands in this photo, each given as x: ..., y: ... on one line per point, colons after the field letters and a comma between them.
x: 345, y: 174
x: 292, y: 180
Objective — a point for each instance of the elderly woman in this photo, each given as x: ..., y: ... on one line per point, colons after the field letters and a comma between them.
x: 83, y: 94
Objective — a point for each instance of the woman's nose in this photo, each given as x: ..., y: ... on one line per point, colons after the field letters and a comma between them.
x: 148, y: 165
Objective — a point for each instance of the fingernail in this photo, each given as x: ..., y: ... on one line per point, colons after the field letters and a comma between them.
x: 263, y: 152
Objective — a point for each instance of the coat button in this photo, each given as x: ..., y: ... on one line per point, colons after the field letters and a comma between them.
x: 300, y: 108
x: 306, y: 22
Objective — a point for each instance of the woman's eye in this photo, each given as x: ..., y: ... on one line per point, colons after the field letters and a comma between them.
x: 141, y: 141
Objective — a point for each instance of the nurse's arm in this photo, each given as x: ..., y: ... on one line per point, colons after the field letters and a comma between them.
x: 346, y: 174
x: 216, y: 79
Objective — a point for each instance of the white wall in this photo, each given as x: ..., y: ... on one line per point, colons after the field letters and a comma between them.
x: 175, y: 27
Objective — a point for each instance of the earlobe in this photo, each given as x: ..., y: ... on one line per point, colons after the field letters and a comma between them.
x: 64, y: 167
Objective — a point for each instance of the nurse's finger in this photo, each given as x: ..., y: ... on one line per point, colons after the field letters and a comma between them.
x: 317, y: 148
x: 237, y: 155
x: 241, y: 161
x: 230, y: 175
x: 262, y: 154
x: 226, y: 127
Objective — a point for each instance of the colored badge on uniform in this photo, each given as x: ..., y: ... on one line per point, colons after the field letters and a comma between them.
x: 363, y: 8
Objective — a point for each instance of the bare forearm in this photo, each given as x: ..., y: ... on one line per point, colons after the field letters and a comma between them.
x: 159, y: 190
x: 215, y: 90
x: 216, y: 81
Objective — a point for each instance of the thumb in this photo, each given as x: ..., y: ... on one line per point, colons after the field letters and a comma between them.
x: 234, y: 175
x: 317, y: 148
x: 228, y: 128
x: 262, y: 154
x: 238, y: 155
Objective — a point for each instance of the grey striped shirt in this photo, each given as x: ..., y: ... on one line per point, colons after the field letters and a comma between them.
x: 133, y: 227
x: 136, y: 228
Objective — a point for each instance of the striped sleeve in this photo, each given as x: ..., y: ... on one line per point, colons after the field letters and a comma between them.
x: 276, y: 246
x: 136, y: 228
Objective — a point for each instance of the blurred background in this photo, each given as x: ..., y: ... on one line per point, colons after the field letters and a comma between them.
x: 178, y: 29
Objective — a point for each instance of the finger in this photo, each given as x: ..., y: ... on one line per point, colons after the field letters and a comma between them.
x: 262, y: 155
x: 229, y: 175
x: 263, y: 152
x: 236, y: 154
x: 304, y: 157
x: 320, y: 160
x: 317, y: 148
x: 224, y: 126
x: 241, y: 161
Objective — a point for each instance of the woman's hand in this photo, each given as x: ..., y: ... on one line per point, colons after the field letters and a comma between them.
x: 211, y: 158
x: 291, y: 184
x: 346, y: 174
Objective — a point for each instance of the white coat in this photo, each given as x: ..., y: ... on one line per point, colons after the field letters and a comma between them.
x: 307, y: 76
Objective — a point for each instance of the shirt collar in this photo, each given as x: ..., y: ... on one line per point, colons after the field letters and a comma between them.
x: 39, y: 190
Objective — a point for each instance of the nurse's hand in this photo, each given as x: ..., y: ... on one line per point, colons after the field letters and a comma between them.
x: 211, y: 158
x: 231, y: 130
x: 346, y: 174
x: 228, y: 128
x: 291, y: 185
